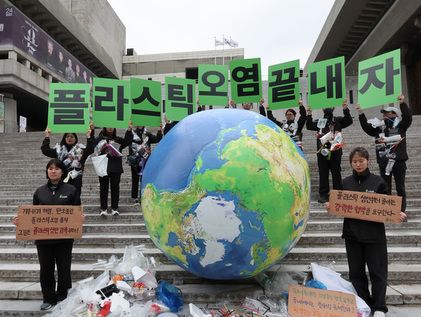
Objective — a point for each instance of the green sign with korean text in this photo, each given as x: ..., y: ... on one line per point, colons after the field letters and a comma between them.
x: 68, y: 108
x: 180, y: 97
x: 326, y: 83
x: 246, y: 83
x: 213, y: 85
x: 284, y: 85
x: 379, y: 79
x: 146, y: 102
x: 111, y: 103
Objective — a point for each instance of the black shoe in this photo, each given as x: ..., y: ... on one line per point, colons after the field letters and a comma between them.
x: 322, y: 200
x: 46, y: 306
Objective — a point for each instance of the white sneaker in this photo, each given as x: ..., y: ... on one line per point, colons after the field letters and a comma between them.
x: 379, y: 314
x: 103, y: 213
x: 114, y: 212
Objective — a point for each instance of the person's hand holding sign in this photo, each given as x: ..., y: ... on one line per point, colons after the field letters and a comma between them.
x: 47, y: 133
x: 358, y: 109
x: 403, y: 217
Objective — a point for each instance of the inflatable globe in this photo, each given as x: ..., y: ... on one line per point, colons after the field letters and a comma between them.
x: 226, y: 194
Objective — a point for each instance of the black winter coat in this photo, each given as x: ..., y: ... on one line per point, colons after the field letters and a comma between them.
x: 300, y: 122
x: 403, y: 125
x: 337, y: 123
x: 363, y: 230
x: 51, y: 152
x: 62, y: 194
x: 151, y: 139
x: 115, y: 164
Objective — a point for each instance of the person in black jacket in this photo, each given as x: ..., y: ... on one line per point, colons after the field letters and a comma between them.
x: 59, y: 251
x: 106, y: 144
x: 329, y: 151
x: 139, y: 151
x: 291, y: 126
x: 71, y: 153
x: 391, y: 144
x: 365, y: 241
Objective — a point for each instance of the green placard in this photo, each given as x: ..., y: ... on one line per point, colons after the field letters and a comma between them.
x: 326, y: 83
x: 379, y: 79
x: 180, y: 101
x: 146, y: 102
x: 68, y: 108
x: 111, y: 103
x: 246, y: 83
x: 213, y: 85
x: 284, y: 85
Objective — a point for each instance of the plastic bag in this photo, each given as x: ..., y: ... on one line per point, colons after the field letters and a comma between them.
x: 170, y: 295
x: 100, y: 164
x: 334, y: 282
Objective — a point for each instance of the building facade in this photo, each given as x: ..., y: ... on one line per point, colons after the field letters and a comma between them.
x: 44, y: 41
x: 362, y: 29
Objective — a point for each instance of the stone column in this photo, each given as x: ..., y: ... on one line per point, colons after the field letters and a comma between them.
x: 10, y: 115
x: 13, y: 55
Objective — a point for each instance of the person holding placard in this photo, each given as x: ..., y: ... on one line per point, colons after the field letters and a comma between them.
x: 290, y: 126
x: 58, y: 251
x: 365, y: 241
x: 329, y: 146
x: 106, y: 144
x: 391, y: 153
x: 139, y: 151
x: 72, y: 153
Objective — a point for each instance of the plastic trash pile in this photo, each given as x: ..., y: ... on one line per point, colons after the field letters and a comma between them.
x: 128, y: 288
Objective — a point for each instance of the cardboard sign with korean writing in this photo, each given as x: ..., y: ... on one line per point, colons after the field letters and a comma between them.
x: 111, y: 99
x: 45, y: 222
x: 181, y: 97
x: 284, y: 85
x: 379, y: 79
x: 326, y: 83
x: 146, y: 102
x: 213, y: 85
x: 365, y: 206
x: 68, y: 108
x: 246, y: 84
x: 312, y: 302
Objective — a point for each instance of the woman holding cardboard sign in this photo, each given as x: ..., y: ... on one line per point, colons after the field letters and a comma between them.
x: 59, y: 251
x: 365, y: 241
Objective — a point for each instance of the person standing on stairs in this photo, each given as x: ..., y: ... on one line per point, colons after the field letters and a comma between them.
x: 391, y: 153
x: 329, y: 146
x: 365, y: 241
x: 106, y: 143
x: 58, y: 251
x: 139, y: 151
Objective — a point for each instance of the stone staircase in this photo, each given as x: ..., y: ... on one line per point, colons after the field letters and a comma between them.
x: 22, y: 171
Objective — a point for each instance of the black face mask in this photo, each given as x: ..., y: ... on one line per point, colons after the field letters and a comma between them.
x: 389, y: 122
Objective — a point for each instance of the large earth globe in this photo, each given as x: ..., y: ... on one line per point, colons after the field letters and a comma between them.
x: 226, y: 194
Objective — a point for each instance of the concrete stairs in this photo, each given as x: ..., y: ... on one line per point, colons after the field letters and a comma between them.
x: 22, y: 171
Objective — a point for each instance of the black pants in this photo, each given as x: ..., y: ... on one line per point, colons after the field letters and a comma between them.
x: 49, y: 255
x: 135, y: 181
x: 398, y: 172
x: 77, y: 182
x: 111, y: 180
x: 375, y: 256
x: 334, y: 166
